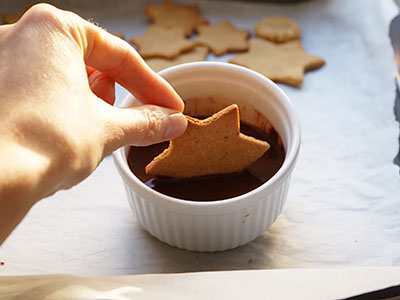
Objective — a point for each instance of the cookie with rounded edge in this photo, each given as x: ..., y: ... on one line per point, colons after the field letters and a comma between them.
x: 162, y: 42
x: 210, y: 146
x: 199, y: 53
x: 172, y: 15
x: 277, y: 29
x: 284, y: 62
x: 222, y: 38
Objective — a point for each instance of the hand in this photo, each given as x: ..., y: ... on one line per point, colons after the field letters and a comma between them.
x: 57, y: 122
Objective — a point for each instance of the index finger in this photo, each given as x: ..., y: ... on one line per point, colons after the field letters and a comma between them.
x: 115, y: 57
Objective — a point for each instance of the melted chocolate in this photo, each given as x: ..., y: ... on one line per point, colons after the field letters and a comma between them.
x: 212, y: 187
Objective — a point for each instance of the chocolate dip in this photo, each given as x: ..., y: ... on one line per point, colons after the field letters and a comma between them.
x: 212, y: 187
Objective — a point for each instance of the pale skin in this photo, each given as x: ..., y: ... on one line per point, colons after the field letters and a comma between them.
x: 57, y: 122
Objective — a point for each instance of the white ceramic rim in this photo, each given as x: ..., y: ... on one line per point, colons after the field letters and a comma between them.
x: 220, y: 205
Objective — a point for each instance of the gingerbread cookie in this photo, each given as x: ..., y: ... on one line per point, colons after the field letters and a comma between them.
x: 222, y: 38
x: 172, y: 15
x: 199, y: 53
x: 162, y: 42
x: 13, y: 18
x: 284, y: 62
x: 210, y: 146
x: 277, y: 29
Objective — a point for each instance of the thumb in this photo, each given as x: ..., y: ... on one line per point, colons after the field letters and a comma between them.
x: 142, y: 125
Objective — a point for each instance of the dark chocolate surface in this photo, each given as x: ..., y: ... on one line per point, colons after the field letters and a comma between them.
x: 211, y: 187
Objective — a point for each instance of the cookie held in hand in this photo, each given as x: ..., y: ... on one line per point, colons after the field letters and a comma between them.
x: 210, y: 146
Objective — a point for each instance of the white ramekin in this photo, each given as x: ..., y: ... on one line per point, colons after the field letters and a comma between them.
x: 224, y: 224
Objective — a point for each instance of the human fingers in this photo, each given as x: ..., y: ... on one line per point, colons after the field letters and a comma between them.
x: 115, y: 57
x: 140, y: 125
x: 102, y: 85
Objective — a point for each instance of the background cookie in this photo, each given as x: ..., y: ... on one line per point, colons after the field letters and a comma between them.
x: 199, y: 53
x: 277, y: 29
x: 284, y: 62
x: 222, y: 38
x: 13, y: 18
x: 172, y: 15
x: 162, y: 42
x: 118, y: 34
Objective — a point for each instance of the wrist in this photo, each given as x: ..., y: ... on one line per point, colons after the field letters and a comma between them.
x: 22, y: 173
x: 22, y: 183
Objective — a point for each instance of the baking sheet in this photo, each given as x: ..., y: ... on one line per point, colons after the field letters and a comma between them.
x: 343, y: 206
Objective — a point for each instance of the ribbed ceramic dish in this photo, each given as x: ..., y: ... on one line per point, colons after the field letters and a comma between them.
x: 207, y: 87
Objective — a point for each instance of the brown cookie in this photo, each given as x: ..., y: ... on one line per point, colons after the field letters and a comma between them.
x: 162, y: 42
x: 284, y: 62
x: 172, y: 15
x: 199, y: 53
x: 222, y: 38
x: 278, y: 29
x: 210, y: 146
x: 13, y: 18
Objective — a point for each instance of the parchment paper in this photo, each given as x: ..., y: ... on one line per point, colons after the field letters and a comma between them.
x: 308, y: 284
x: 343, y: 206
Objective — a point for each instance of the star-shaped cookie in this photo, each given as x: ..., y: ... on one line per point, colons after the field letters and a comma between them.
x: 222, y: 38
x: 199, y: 53
x: 172, y: 15
x: 284, y: 63
x: 210, y: 146
x: 162, y: 42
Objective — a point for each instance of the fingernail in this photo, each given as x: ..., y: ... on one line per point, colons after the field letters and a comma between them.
x: 177, y: 123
